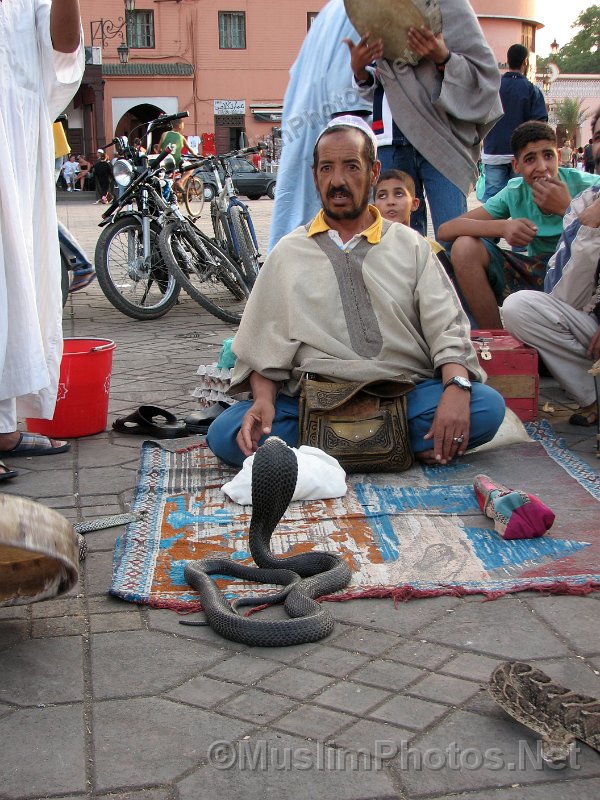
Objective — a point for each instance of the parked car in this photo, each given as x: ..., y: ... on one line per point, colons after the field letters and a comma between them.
x: 247, y: 179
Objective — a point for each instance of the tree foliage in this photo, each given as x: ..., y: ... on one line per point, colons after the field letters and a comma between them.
x: 581, y: 54
x: 570, y: 115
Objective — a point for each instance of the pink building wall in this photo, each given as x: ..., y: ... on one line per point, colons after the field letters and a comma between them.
x: 187, y: 36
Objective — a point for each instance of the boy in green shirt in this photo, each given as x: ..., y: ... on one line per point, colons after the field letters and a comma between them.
x: 528, y: 212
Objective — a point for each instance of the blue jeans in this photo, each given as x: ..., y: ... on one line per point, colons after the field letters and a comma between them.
x: 487, y: 413
x: 445, y: 200
x: 496, y: 178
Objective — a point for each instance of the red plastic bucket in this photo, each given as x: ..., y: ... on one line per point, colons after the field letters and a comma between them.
x: 83, y: 390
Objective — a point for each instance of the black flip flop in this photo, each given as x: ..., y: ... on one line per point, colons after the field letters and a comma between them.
x: 142, y: 422
x: 6, y: 473
x: 199, y: 421
x: 582, y: 419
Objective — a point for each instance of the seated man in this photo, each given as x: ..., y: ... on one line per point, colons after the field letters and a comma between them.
x: 564, y: 324
x: 351, y: 297
x: 527, y: 212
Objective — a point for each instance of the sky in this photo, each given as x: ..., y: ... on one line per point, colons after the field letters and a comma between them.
x: 557, y: 18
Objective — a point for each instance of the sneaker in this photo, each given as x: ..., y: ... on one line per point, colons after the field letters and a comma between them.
x: 81, y: 279
x: 75, y: 189
x: 69, y: 189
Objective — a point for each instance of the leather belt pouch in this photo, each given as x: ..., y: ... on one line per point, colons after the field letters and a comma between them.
x: 361, y: 424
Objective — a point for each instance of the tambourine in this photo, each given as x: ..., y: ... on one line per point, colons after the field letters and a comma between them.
x: 390, y: 20
x: 38, y: 552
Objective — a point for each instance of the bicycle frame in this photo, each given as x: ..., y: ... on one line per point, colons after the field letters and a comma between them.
x: 226, y: 199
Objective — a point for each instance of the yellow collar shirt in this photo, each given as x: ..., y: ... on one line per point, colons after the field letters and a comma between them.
x: 372, y: 234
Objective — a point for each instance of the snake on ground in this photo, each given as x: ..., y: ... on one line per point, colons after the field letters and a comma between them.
x: 305, y: 576
x: 557, y: 713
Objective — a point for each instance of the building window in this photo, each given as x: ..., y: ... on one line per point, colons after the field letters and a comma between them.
x: 232, y: 30
x: 310, y: 18
x: 528, y: 36
x: 140, y: 29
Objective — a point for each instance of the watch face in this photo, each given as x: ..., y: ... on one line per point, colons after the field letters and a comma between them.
x: 464, y: 383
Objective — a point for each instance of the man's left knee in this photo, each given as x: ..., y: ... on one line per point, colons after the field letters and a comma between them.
x: 489, y: 405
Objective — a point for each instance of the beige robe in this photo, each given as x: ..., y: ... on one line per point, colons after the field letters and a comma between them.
x: 297, y: 320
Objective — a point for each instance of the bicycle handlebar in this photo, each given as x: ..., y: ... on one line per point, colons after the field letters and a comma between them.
x: 134, y: 184
x: 166, y: 118
x: 245, y: 151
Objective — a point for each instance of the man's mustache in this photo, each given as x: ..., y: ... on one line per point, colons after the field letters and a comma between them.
x: 338, y: 190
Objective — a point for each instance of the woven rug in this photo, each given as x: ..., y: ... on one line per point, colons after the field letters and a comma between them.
x: 415, y: 534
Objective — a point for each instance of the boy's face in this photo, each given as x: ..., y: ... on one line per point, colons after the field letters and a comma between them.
x: 394, y: 201
x: 537, y: 161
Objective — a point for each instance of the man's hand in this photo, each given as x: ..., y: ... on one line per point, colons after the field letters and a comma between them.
x: 519, y: 232
x: 452, y: 421
x: 551, y: 196
x: 590, y: 216
x: 426, y: 45
x: 594, y: 346
x: 256, y: 423
x: 362, y: 54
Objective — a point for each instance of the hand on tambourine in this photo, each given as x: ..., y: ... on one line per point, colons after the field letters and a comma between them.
x: 363, y: 54
x: 427, y: 45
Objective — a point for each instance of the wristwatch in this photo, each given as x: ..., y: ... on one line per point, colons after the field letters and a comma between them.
x: 458, y: 380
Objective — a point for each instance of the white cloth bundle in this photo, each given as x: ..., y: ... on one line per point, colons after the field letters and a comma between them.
x: 319, y: 476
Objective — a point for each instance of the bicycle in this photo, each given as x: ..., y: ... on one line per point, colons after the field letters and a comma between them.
x: 189, y: 190
x: 141, y: 270
x: 230, y: 217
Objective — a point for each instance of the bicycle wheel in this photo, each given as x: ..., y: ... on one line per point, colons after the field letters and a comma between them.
x: 138, y: 287
x: 247, y: 252
x: 194, y: 196
x: 204, y: 271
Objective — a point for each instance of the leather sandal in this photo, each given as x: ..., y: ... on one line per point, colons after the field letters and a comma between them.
x: 585, y: 417
x: 142, y: 422
x: 6, y: 472
x: 199, y: 421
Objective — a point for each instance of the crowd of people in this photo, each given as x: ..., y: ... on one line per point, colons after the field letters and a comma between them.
x: 351, y: 288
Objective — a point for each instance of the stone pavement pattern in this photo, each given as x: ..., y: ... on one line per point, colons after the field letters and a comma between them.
x: 101, y: 698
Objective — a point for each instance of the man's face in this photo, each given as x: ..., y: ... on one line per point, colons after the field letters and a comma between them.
x: 537, y: 161
x: 343, y: 176
x: 394, y: 201
x: 596, y: 146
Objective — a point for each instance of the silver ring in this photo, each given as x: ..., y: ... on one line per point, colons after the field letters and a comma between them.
x: 458, y: 439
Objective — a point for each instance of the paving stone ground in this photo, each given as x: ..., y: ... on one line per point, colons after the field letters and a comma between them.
x: 104, y: 699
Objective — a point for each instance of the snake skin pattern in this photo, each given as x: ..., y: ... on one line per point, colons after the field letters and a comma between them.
x: 558, y: 714
x: 306, y: 576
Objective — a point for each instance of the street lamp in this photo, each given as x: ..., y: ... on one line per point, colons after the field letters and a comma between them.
x: 105, y: 29
x: 123, y: 52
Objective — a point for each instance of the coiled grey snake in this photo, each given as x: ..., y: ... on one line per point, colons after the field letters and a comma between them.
x: 306, y: 576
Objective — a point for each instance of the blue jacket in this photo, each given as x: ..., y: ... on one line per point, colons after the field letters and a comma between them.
x: 521, y: 101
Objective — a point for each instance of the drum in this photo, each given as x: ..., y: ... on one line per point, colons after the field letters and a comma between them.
x: 390, y: 20
x: 38, y: 552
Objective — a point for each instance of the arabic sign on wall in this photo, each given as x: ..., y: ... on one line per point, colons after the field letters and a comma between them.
x: 225, y: 107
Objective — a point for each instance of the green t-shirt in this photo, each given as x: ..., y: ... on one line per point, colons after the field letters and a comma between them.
x: 173, y: 137
x: 515, y: 201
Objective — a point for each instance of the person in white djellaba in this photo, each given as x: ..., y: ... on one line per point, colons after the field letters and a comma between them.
x: 41, y: 66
